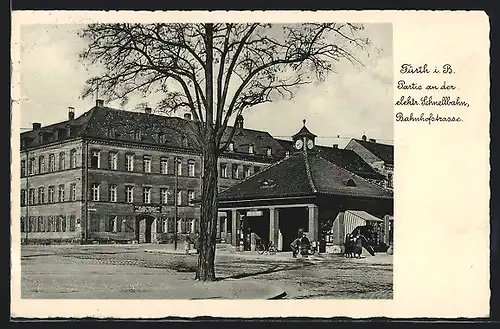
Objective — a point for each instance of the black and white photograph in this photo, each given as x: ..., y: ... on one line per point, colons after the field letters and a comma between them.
x: 206, y: 160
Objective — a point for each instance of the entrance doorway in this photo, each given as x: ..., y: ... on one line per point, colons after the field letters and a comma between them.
x: 291, y: 220
x: 143, y: 225
x: 255, y: 224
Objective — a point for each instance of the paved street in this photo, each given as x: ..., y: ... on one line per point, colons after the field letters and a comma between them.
x: 131, y: 271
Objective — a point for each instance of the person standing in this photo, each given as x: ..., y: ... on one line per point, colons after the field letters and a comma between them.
x: 295, y: 245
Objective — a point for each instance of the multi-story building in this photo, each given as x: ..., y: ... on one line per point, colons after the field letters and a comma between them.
x: 113, y: 175
x: 379, y: 156
x: 117, y: 176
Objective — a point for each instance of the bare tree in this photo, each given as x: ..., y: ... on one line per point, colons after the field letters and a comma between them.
x: 215, y: 71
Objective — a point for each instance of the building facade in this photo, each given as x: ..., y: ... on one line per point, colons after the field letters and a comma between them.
x: 379, y: 156
x: 117, y: 176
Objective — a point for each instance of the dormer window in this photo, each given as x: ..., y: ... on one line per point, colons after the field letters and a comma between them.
x: 269, y: 152
x: 350, y: 182
x: 161, y: 138
x: 110, y: 132
x: 250, y: 149
x: 231, y: 147
x: 138, y: 135
x: 287, y: 154
x: 267, y: 183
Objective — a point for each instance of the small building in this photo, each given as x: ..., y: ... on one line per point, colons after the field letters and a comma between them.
x: 304, y: 190
x: 379, y: 156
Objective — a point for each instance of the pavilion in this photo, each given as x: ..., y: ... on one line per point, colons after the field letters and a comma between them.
x: 304, y: 190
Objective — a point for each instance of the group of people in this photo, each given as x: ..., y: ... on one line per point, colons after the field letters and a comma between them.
x: 353, y: 245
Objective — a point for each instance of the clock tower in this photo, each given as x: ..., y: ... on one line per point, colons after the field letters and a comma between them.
x: 304, y: 139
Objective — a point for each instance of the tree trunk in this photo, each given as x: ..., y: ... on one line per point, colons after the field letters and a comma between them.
x: 208, y: 221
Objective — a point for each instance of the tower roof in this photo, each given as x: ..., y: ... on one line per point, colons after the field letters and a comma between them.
x: 304, y: 132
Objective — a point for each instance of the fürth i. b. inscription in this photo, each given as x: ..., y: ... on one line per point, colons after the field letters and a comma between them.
x: 440, y: 95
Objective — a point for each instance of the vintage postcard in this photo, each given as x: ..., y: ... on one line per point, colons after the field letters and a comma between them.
x: 250, y: 164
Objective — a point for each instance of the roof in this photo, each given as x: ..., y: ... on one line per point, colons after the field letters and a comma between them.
x: 384, y: 152
x: 303, y: 174
x: 304, y: 132
x: 98, y: 122
x: 346, y: 159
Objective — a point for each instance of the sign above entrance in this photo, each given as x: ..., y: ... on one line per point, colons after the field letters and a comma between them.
x: 254, y: 213
x: 146, y: 208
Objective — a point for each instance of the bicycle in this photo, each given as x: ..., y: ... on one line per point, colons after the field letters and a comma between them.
x: 270, y: 248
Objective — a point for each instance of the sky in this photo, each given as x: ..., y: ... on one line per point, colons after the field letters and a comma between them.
x: 352, y: 102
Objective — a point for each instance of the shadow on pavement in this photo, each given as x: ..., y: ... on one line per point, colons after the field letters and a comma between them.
x: 274, y: 269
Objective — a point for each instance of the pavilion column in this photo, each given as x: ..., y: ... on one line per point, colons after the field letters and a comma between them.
x: 313, y: 223
x: 224, y: 227
x: 273, y: 225
x: 235, y: 235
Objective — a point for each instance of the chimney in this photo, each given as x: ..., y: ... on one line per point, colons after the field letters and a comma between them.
x: 37, y: 125
x: 372, y: 140
x: 364, y: 138
x: 99, y: 103
x: 335, y: 146
x: 71, y: 113
x: 239, y: 121
x: 187, y: 116
x: 147, y: 110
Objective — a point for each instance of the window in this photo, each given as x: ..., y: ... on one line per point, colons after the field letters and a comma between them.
x: 23, y: 168
x: 170, y: 225
x: 193, y: 226
x: 112, y: 193
x: 164, y: 166
x: 72, y: 192
x: 72, y: 223
x: 223, y: 170
x: 234, y: 171
x: 23, y: 197
x: 147, y: 163
x: 95, y: 161
x: 164, y: 195
x: 62, y: 161
x: 63, y: 223
x: 191, y: 197
x: 22, y: 224
x: 41, y: 165
x: 231, y: 147
x: 95, y: 192
x: 40, y: 227
x: 32, y: 167
x: 246, y: 171
x: 113, y: 160
x: 41, y: 195
x: 160, y: 225
x: 111, y: 132
x: 50, y: 224
x: 52, y: 163
x: 179, y: 166
x: 72, y: 159
x: 57, y: 224
x: 287, y: 154
x: 269, y: 152
x: 146, y: 195
x: 31, y: 196
x: 390, y: 180
x: 31, y: 224
x: 179, y: 197
x: 111, y: 224
x: 129, y: 194
x: 256, y: 169
x: 61, y: 193
x: 130, y: 162
x: 191, y: 166
x: 51, y: 194
x: 250, y: 149
x: 95, y: 222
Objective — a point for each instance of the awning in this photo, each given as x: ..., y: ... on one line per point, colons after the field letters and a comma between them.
x: 364, y: 215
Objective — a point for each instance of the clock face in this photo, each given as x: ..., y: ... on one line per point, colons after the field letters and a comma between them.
x: 298, y: 144
x: 310, y: 144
